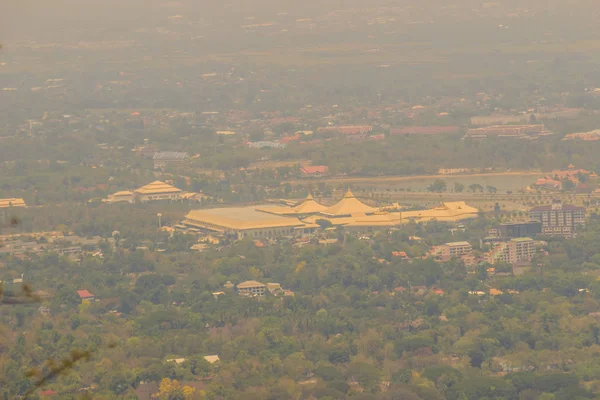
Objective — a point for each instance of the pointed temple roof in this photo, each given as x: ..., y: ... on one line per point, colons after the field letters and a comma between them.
x: 309, y: 206
x: 349, y: 205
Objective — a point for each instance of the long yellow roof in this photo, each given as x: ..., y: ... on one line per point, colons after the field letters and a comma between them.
x: 157, y: 187
x: 347, y: 206
x: 383, y: 220
x: 12, y: 202
x: 452, y: 211
x: 239, y: 218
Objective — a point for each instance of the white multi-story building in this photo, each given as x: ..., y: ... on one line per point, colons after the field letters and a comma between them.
x: 512, y: 251
x: 453, y: 249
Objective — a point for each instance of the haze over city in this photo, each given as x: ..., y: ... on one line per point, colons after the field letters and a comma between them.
x: 320, y: 200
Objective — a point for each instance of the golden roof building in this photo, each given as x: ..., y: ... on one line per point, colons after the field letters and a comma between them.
x: 348, y: 206
x: 268, y: 221
x: 12, y: 202
x: 246, y: 222
x: 157, y: 190
x: 449, y: 212
x: 306, y: 207
x: 125, y: 196
x: 6, y: 204
x: 153, y: 191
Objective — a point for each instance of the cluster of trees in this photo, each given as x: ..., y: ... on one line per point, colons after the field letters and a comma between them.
x: 440, y: 185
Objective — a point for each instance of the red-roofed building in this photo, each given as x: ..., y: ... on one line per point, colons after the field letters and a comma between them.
x: 379, y: 136
x: 351, y: 130
x: 47, y: 393
x: 85, y: 295
x: 315, y: 170
x: 401, y: 254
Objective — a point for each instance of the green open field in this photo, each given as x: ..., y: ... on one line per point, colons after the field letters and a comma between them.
x: 502, y: 181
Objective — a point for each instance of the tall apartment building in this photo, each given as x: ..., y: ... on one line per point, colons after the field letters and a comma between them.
x: 558, y: 219
x: 512, y: 251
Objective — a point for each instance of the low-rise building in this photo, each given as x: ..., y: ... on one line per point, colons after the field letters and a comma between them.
x: 424, y: 130
x: 251, y: 288
x: 12, y: 202
x: 166, y: 159
x: 315, y: 170
x: 453, y: 249
x: 212, y: 359
x: 508, y: 131
x: 86, y: 296
x: 266, y: 144
x: 124, y: 196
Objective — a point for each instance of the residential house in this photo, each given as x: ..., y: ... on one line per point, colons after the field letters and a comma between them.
x: 212, y: 359
x: 86, y: 296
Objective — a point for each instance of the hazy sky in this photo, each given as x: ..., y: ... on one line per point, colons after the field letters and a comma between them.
x: 72, y: 20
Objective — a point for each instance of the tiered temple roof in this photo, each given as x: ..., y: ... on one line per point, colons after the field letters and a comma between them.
x: 157, y: 187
